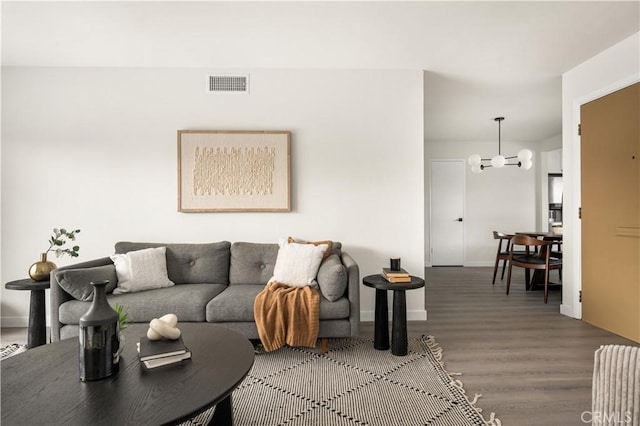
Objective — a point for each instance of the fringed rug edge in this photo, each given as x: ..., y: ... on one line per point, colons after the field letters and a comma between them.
x: 436, y: 350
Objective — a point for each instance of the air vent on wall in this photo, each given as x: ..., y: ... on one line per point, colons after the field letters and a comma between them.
x: 228, y: 83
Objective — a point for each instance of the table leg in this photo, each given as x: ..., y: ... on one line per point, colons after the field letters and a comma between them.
x: 223, y: 415
x: 536, y: 280
x: 37, y: 331
x: 381, y: 325
x: 399, y: 326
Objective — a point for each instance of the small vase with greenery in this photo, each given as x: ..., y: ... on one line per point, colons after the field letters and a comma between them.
x: 39, y: 271
x: 123, y: 317
x: 123, y: 322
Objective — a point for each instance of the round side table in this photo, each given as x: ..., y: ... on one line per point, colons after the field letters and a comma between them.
x: 37, y: 331
x: 399, y: 342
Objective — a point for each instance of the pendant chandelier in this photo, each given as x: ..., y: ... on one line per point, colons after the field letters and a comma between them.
x: 524, y: 157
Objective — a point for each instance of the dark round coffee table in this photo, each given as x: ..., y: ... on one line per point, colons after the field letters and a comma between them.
x: 42, y: 386
x: 399, y: 325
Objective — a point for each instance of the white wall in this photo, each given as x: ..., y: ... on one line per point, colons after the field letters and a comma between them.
x: 95, y: 149
x: 496, y: 200
x: 551, y: 144
x: 611, y: 70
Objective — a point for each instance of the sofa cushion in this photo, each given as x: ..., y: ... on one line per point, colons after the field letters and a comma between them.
x: 252, y: 263
x: 297, y: 264
x: 187, y: 301
x: 334, y: 310
x: 332, y: 278
x: 77, y: 282
x: 235, y: 303
x: 190, y: 263
x: 141, y: 270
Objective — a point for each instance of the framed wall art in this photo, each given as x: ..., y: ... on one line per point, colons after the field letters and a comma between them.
x: 234, y: 171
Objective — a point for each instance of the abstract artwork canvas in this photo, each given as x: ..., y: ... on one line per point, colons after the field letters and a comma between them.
x: 234, y: 171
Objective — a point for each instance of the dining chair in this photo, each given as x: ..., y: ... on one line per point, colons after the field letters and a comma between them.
x: 502, y: 253
x: 531, y: 260
x: 556, y: 253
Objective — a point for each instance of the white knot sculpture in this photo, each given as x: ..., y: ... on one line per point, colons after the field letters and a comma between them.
x: 165, y: 326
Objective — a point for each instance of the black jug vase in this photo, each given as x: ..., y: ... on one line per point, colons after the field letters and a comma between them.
x: 99, y: 343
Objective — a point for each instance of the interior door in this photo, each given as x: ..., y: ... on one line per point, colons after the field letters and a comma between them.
x: 447, y: 208
x: 610, y: 158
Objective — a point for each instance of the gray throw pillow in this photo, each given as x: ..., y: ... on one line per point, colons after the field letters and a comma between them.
x: 77, y: 282
x: 332, y: 278
x: 190, y: 263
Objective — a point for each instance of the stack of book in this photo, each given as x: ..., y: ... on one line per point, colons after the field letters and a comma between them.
x: 400, y: 276
x: 157, y: 353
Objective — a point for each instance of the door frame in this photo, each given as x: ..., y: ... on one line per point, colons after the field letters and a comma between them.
x: 464, y: 208
x: 573, y: 293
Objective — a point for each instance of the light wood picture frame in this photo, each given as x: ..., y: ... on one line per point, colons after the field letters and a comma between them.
x: 234, y: 171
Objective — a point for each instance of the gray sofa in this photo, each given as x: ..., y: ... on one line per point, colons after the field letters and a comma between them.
x: 215, y: 283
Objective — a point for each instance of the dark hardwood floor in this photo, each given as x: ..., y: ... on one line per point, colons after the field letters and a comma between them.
x: 532, y: 365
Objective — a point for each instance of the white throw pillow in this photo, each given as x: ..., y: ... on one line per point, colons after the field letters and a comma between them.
x: 297, y: 264
x: 141, y: 270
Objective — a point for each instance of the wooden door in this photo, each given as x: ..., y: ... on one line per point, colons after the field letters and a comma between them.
x: 610, y: 158
x: 447, y: 211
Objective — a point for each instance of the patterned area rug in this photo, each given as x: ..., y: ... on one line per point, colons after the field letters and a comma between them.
x: 11, y: 350
x: 354, y: 384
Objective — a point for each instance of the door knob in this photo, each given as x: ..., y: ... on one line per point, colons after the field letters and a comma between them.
x: 459, y: 219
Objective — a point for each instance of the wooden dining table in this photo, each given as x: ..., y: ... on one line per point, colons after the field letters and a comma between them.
x: 549, y: 236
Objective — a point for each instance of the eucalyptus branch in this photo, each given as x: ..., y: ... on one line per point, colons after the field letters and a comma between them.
x: 59, y: 238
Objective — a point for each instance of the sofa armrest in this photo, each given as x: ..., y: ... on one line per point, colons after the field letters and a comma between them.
x: 59, y: 295
x: 353, y: 292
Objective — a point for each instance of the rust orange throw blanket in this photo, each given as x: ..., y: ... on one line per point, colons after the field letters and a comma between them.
x: 287, y: 315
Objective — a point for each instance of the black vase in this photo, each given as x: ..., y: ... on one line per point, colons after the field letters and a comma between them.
x: 99, y: 337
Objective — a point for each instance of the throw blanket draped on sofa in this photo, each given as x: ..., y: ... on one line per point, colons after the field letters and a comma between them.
x: 287, y: 315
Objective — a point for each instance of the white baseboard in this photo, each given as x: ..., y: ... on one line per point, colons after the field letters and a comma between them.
x: 412, y: 315
x: 14, y: 322
x: 480, y: 263
x: 567, y: 310
x: 18, y: 322
x: 367, y: 316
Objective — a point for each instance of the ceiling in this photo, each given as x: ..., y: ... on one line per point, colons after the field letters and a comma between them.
x: 481, y: 59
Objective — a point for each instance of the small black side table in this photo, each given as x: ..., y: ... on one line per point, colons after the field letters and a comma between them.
x: 399, y: 325
x: 37, y: 332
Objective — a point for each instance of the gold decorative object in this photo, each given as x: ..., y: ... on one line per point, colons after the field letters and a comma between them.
x: 40, y: 271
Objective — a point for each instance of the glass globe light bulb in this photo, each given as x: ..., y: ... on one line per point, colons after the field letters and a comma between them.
x: 474, y: 159
x: 498, y: 161
x: 476, y: 168
x: 526, y: 164
x: 525, y: 155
